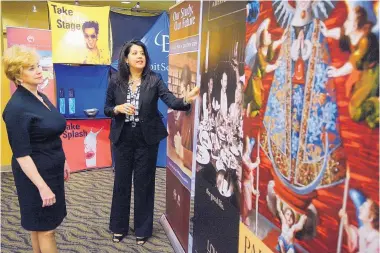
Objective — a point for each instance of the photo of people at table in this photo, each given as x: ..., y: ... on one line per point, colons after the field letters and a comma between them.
x: 219, y: 142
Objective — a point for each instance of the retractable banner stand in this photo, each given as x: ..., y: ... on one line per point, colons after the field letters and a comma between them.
x: 154, y: 33
x: 219, y: 146
x: 40, y: 40
x: 183, y: 58
x: 310, y: 178
x: 157, y: 42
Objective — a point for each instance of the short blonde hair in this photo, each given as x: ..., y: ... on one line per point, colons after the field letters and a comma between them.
x: 16, y: 58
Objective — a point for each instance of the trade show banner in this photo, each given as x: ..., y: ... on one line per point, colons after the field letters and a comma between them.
x: 310, y: 180
x: 183, y: 58
x: 154, y: 33
x: 157, y: 42
x: 80, y: 88
x: 86, y: 144
x: 41, y: 41
x: 80, y: 34
x: 219, y: 146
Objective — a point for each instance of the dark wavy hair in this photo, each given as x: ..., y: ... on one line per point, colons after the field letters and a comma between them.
x: 124, y: 71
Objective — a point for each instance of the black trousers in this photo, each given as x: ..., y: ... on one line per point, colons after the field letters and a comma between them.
x: 133, y: 156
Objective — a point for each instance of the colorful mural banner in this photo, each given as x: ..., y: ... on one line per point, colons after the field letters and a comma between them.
x: 86, y: 144
x: 310, y: 174
x: 40, y: 40
x: 80, y: 34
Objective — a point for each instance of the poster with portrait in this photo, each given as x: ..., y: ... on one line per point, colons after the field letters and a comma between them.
x: 219, y: 144
x: 80, y: 35
x: 310, y: 174
x: 39, y: 39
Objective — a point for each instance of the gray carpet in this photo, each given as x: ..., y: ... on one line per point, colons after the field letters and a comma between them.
x: 85, y: 229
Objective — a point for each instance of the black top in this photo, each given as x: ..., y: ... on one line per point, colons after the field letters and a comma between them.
x: 34, y: 130
x: 152, y: 88
x: 30, y: 123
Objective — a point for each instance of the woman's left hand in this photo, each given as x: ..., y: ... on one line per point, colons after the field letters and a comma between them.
x: 66, y: 171
x: 192, y: 95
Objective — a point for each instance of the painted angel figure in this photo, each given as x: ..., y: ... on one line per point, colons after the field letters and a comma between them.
x: 260, y: 52
x: 249, y: 168
x: 362, y: 86
x: 289, y: 227
x: 365, y: 237
x: 301, y: 119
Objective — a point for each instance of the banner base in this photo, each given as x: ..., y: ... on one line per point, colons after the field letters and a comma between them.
x: 171, y: 235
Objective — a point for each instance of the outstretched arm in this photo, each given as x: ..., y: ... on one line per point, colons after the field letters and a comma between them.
x: 332, y: 33
x: 279, y: 210
x: 298, y: 227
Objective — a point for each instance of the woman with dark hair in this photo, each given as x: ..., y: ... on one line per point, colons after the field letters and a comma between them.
x: 136, y: 131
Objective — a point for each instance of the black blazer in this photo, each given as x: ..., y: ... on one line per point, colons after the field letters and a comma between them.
x: 152, y: 88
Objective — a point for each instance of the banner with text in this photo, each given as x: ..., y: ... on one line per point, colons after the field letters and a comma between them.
x: 80, y: 34
x: 40, y: 40
x: 156, y: 39
x: 86, y: 144
x: 182, y: 78
x: 183, y: 58
x: 157, y: 43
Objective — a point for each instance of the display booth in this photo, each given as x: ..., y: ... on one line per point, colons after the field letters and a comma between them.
x: 77, y: 65
x: 280, y: 151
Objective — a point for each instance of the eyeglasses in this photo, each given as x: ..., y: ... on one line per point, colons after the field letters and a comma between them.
x: 93, y: 36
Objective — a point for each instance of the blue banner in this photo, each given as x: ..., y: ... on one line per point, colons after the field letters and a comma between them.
x: 157, y: 42
x: 80, y: 88
x: 125, y: 28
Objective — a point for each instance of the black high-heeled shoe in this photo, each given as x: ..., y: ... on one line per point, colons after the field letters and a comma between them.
x: 118, y: 237
x: 141, y: 240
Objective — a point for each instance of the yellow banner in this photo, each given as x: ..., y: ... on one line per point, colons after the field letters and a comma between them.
x: 249, y: 243
x: 80, y: 34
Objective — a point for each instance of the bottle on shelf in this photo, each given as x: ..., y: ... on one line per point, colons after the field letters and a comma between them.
x: 62, y: 105
x: 71, y: 102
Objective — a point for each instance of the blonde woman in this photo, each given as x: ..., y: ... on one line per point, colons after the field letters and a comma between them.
x: 39, y: 166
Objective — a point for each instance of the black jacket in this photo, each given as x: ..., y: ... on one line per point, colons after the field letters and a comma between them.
x: 152, y: 88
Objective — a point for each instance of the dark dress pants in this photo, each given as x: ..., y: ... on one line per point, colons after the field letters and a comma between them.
x: 133, y: 156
